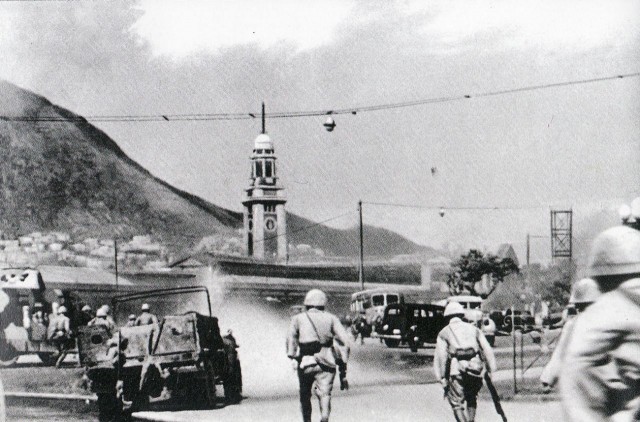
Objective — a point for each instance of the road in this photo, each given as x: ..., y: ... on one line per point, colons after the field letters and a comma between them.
x: 386, y: 384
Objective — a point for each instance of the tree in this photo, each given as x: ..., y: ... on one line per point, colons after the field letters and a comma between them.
x: 467, y: 271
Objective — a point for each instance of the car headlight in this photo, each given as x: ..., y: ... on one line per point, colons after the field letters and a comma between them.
x: 385, y: 327
x: 396, y: 331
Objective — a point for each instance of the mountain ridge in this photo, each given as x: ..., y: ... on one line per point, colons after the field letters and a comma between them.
x: 71, y: 176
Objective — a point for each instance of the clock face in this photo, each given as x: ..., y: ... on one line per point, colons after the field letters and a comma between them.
x: 270, y: 224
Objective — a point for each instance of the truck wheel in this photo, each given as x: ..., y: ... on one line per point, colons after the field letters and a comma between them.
x: 49, y: 359
x: 391, y: 342
x: 209, y: 386
x: 233, y: 384
x: 8, y: 355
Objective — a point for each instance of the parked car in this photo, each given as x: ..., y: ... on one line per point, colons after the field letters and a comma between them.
x: 415, y: 324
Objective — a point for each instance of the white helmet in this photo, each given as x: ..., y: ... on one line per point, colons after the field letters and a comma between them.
x: 86, y: 308
x: 62, y: 310
x: 101, y: 312
x: 615, y: 251
x: 584, y: 291
x: 132, y: 317
x: 315, y: 297
x: 145, y: 307
x: 453, y: 308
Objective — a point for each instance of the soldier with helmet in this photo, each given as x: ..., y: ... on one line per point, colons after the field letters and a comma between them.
x: 583, y: 293
x: 461, y: 358
x: 310, y: 347
x: 146, y: 317
x: 131, y: 321
x: 60, y: 330
x: 102, y: 319
x: 603, y: 380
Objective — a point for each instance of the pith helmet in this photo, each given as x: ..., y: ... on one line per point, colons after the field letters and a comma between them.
x: 453, y: 308
x: 101, y: 312
x: 145, y: 307
x: 132, y: 317
x: 615, y: 251
x: 315, y: 297
x: 584, y: 291
x: 86, y: 308
x: 62, y: 310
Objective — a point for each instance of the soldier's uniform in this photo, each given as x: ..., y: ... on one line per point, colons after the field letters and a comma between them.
x: 462, y: 354
x: 584, y: 293
x: 603, y: 380
x: 101, y: 319
x: 146, y: 317
x: 311, y: 334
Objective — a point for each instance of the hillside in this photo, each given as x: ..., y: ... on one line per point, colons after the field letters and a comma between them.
x: 70, y: 176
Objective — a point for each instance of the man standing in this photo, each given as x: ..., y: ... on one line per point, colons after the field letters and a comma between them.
x: 603, y: 381
x: 146, y: 317
x: 583, y: 293
x: 102, y: 319
x: 61, y: 333
x: 462, y: 355
x: 131, y: 321
x: 310, y: 348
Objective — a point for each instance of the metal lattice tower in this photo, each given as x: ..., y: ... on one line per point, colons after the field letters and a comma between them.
x: 561, y: 237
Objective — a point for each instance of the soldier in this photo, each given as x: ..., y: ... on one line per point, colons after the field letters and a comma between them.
x: 601, y: 383
x: 583, y: 293
x: 61, y: 333
x: 86, y: 315
x: 310, y: 348
x: 146, y: 317
x: 131, y: 321
x: 462, y: 355
x: 101, y: 319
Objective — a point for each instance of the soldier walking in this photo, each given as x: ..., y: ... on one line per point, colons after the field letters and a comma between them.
x: 61, y: 333
x: 603, y: 381
x: 310, y: 347
x: 461, y: 358
x: 583, y: 293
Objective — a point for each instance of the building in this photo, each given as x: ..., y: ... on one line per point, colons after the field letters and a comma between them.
x: 265, y: 224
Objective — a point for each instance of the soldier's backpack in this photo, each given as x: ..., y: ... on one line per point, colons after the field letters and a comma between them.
x: 473, y: 364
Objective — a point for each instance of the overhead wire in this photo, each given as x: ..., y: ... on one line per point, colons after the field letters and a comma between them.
x: 308, y: 113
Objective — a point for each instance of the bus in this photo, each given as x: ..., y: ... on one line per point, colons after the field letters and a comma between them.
x: 367, y: 309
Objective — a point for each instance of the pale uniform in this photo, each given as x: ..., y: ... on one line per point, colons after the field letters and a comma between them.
x: 460, y: 335
x: 60, y: 327
x: 551, y: 372
x: 310, y: 374
x: 603, y: 380
x: 104, y: 322
x: 146, y: 318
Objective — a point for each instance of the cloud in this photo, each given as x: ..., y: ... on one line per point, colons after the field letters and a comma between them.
x: 173, y: 29
x: 575, y: 24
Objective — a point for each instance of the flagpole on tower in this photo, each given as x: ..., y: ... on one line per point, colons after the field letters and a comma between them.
x: 264, y: 130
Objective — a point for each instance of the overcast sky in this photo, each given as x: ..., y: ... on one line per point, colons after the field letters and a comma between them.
x: 567, y: 147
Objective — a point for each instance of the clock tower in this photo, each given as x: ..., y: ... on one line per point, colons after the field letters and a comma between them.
x: 265, y: 219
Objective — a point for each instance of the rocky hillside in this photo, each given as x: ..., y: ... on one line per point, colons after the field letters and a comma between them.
x: 70, y: 176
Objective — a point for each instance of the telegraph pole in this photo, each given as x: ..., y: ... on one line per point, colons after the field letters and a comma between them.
x: 115, y: 258
x: 361, y: 266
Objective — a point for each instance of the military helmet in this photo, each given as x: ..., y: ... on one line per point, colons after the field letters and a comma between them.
x: 145, y: 307
x: 62, y: 309
x: 584, y: 291
x: 101, y: 312
x: 132, y: 317
x: 315, y: 297
x: 86, y: 308
x: 453, y: 308
x: 615, y: 251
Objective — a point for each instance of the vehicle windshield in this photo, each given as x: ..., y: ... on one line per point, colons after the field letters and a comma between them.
x: 377, y: 300
x: 392, y: 299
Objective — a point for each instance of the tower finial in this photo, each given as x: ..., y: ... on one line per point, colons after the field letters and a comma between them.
x: 264, y: 130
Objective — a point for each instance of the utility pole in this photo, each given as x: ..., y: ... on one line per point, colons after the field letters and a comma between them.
x: 361, y: 267
x: 115, y: 258
x: 528, y: 248
x: 264, y: 126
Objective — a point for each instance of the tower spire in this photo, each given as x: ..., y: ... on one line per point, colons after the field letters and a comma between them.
x: 264, y: 129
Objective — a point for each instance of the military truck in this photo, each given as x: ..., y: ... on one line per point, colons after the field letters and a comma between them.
x: 412, y: 323
x: 181, y: 360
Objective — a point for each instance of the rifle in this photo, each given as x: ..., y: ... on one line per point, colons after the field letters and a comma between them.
x: 494, y: 396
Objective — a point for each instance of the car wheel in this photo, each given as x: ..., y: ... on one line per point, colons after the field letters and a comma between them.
x: 392, y: 343
x: 48, y: 359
